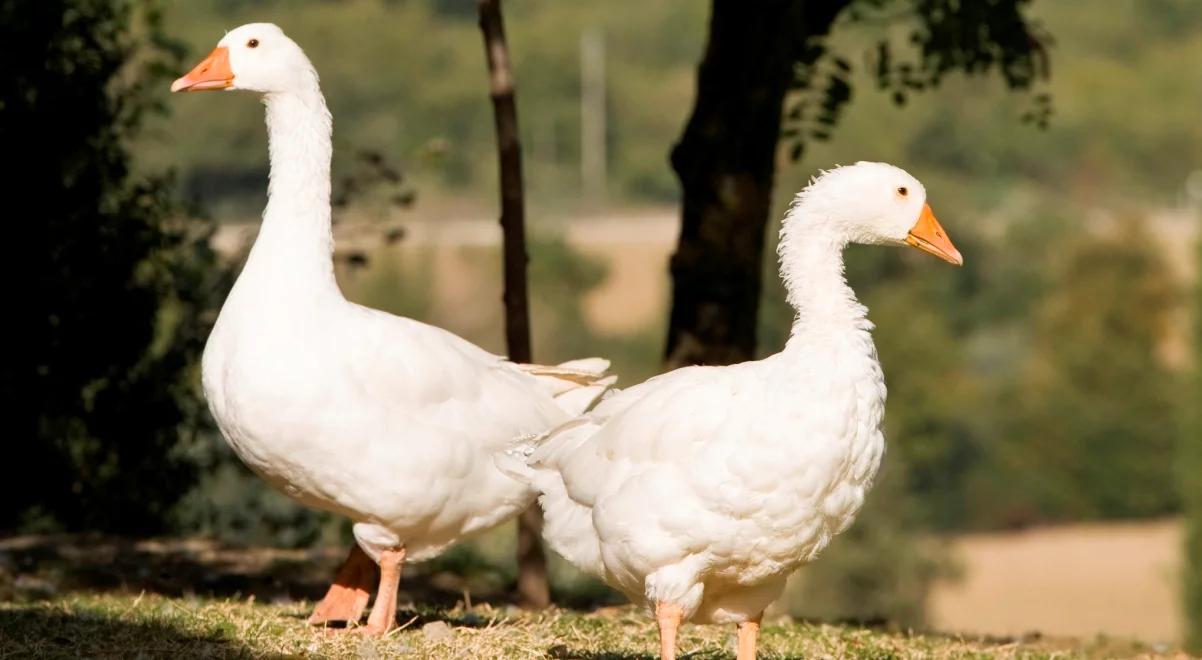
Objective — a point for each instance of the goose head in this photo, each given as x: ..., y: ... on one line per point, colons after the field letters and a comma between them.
x: 875, y: 203
x: 257, y: 57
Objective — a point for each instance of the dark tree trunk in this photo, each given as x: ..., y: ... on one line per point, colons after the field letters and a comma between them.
x: 726, y: 161
x: 533, y: 588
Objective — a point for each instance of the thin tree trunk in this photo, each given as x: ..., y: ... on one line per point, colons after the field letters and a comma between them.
x: 533, y: 589
x: 726, y: 162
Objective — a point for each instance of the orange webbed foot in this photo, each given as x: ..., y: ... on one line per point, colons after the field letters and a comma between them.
x: 348, y: 596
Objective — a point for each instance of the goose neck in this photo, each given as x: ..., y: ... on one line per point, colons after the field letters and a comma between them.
x: 811, y: 257
x: 295, y: 245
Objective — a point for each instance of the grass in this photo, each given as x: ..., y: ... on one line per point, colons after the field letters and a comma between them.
x: 98, y: 598
x: 147, y: 625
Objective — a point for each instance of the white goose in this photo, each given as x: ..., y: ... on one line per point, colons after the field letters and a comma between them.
x: 701, y: 490
x: 388, y: 421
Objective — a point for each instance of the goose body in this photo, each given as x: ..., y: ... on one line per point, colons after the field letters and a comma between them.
x: 707, y: 486
x: 699, y: 491
x: 385, y: 420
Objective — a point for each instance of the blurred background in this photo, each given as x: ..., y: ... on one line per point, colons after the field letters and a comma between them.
x: 1043, y: 452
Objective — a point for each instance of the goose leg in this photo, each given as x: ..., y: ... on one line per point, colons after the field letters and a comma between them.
x: 348, y: 595
x: 748, y: 632
x: 383, y: 613
x: 668, y: 616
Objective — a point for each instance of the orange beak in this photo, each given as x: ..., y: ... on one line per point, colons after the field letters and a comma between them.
x: 212, y: 73
x: 928, y: 236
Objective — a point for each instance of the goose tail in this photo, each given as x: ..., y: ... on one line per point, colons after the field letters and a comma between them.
x: 568, y: 524
x: 576, y: 385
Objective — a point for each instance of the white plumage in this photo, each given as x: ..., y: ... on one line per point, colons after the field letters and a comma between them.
x: 388, y: 421
x: 704, y: 488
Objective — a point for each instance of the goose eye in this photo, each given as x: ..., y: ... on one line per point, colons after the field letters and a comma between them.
x: 253, y: 43
x: 902, y: 191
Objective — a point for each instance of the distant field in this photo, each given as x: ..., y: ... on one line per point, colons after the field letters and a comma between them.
x: 1117, y: 579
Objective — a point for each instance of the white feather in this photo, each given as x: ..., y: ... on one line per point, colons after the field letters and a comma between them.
x: 707, y: 486
x: 388, y: 421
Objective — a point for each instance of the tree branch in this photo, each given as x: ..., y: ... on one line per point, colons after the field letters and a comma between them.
x: 533, y: 589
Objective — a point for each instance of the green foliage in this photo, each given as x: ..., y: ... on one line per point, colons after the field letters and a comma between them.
x: 913, y: 46
x: 1031, y: 386
x: 1100, y: 150
x: 1094, y: 418
x: 98, y: 388
x: 408, y: 79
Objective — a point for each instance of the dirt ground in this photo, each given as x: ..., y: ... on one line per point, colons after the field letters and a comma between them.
x: 1117, y: 579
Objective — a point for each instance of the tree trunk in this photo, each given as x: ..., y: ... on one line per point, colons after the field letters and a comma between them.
x: 726, y: 161
x: 533, y: 589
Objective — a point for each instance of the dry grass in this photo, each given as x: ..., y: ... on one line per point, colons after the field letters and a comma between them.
x: 152, y: 626
x: 71, y: 597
